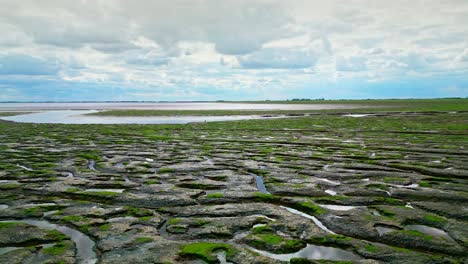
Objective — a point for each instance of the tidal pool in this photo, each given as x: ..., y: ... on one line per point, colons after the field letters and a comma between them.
x: 81, y: 117
x: 313, y: 252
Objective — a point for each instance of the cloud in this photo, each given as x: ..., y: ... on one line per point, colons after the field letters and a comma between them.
x: 350, y: 64
x: 463, y: 56
x: 20, y: 64
x: 233, y: 47
x: 278, y: 58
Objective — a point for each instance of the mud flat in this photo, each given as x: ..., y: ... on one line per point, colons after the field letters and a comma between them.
x: 310, y: 189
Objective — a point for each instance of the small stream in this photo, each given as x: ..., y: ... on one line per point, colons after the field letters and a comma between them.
x: 260, y: 185
x: 313, y: 218
x: 84, y: 245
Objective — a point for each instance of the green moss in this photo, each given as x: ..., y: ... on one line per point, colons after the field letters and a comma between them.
x: 57, y: 249
x: 73, y: 218
x: 275, y: 243
x: 201, y: 222
x: 174, y: 221
x: 309, y: 208
x: 434, y: 219
x: 143, y: 240
x: 205, y: 251
x: 265, y: 197
x: 138, y: 212
x: 214, y: 195
x: 105, y: 227
x: 151, y: 182
x: 55, y: 235
x: 268, y: 239
x: 425, y: 184
x: 370, y: 248
x: 261, y: 230
x: 9, y: 186
x: 10, y: 224
x: 72, y: 190
x: 417, y: 234
x: 166, y: 170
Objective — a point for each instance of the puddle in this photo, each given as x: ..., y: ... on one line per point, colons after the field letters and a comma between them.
x: 429, y: 231
x: 357, y: 115
x: 91, y: 165
x: 221, y: 255
x: 313, y: 218
x: 126, y: 179
x: 7, y: 249
x: 105, y: 190
x: 312, y: 252
x: 122, y: 219
x: 84, y: 245
x: 337, y: 207
x: 37, y: 205
x: 329, y: 181
x: 260, y: 185
x: 163, y: 229
x: 49, y: 213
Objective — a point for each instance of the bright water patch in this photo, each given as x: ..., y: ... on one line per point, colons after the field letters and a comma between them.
x: 312, y: 252
x: 337, y: 207
x: 80, y: 117
x: 313, y: 218
x: 260, y: 185
x: 105, y: 190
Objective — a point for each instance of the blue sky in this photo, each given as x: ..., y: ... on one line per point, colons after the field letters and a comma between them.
x: 63, y: 50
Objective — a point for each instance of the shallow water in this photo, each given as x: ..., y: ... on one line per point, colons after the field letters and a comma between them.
x: 260, y: 185
x: 313, y: 252
x: 357, y: 115
x: 7, y: 249
x: 384, y: 229
x: 313, y: 218
x: 105, y: 190
x: 337, y: 207
x: 84, y: 245
x: 80, y: 117
x: 169, y: 106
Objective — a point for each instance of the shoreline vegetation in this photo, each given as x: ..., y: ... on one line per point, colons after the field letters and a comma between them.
x: 356, y: 106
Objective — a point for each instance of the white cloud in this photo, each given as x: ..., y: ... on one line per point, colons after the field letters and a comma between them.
x: 232, y: 44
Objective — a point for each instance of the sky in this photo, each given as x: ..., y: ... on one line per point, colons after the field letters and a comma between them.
x: 111, y: 50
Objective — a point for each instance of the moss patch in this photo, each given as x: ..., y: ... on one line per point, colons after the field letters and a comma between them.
x: 205, y: 251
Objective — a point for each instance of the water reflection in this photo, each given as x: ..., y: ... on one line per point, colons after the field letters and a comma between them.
x: 80, y: 117
x: 313, y: 252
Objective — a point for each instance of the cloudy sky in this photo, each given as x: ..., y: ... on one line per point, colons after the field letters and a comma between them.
x: 232, y: 49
